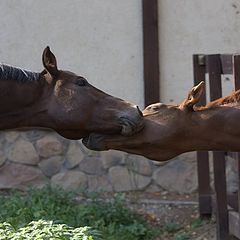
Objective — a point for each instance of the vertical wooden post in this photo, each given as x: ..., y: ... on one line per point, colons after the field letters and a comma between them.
x: 204, y: 189
x: 151, y: 51
x: 215, y: 71
x: 236, y: 75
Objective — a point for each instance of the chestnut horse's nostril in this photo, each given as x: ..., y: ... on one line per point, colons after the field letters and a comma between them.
x: 140, y: 112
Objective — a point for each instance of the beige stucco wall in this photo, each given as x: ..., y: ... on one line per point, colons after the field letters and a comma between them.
x: 102, y: 40
x: 99, y: 39
x: 187, y: 27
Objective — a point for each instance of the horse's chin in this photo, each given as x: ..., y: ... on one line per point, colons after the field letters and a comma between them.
x: 73, y: 135
x: 79, y: 134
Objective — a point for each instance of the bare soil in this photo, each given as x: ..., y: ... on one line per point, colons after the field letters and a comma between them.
x: 176, y: 215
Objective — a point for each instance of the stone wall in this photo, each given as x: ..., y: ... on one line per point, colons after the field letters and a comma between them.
x: 43, y: 157
x: 40, y: 157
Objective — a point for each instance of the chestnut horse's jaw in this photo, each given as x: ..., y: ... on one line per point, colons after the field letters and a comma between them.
x: 99, y: 142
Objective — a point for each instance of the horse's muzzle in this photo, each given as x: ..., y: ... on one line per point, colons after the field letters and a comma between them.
x: 130, y: 127
x: 131, y: 122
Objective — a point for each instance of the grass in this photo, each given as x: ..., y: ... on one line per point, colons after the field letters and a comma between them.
x: 182, y: 236
x: 48, y: 213
x: 181, y: 232
x: 172, y: 227
x: 198, y: 223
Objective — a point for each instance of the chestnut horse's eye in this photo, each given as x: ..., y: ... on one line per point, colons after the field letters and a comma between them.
x: 81, y: 82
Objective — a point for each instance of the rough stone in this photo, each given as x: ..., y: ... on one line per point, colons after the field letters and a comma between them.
x: 112, y: 158
x: 20, y: 176
x: 49, y: 146
x: 189, y: 157
x: 153, y: 188
x: 87, y: 151
x: 231, y: 174
x: 70, y: 180
x: 34, y: 135
x: 139, y: 164
x: 120, y: 179
x: 74, y: 155
x: 23, y: 152
x: 125, y: 180
x: 177, y: 176
x: 98, y: 183
x: 51, y: 166
x: 3, y: 158
x: 140, y: 182
x: 91, y: 165
x: 11, y: 136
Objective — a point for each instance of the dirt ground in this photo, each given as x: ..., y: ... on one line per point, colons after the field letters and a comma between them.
x: 176, y: 215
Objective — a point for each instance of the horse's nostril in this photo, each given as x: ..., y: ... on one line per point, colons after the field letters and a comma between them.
x: 140, y: 112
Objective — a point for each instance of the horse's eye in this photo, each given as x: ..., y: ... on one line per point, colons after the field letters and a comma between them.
x: 81, y: 82
x: 155, y: 108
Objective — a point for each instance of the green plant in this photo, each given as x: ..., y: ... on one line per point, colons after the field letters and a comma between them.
x: 198, y: 223
x: 110, y: 217
x: 47, y: 230
x: 181, y: 236
x: 44, y: 203
x: 172, y: 227
x: 116, y: 221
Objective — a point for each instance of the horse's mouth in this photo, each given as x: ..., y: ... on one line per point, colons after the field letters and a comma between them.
x: 124, y: 127
x: 129, y: 127
x: 95, y: 140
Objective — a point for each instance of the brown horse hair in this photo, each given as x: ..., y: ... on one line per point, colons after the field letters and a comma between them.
x: 17, y: 74
x: 231, y: 99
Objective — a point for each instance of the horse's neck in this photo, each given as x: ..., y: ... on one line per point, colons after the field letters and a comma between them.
x: 20, y: 104
x: 214, y: 129
x: 234, y: 98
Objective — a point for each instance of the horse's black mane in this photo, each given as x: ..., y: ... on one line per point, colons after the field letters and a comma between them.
x: 17, y: 74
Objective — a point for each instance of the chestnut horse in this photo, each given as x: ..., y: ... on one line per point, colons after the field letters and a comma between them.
x: 171, y: 130
x: 63, y: 101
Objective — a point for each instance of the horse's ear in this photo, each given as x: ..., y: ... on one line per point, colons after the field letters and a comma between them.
x: 193, y: 97
x: 49, y: 61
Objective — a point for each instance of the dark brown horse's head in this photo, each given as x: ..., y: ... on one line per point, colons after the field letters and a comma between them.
x: 77, y: 108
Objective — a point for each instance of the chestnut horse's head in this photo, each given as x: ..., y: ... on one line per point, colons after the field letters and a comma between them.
x: 165, y: 134
x: 76, y: 108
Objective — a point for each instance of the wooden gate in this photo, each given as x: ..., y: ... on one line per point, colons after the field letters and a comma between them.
x: 225, y: 206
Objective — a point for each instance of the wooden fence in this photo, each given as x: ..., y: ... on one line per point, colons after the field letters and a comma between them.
x: 226, y: 206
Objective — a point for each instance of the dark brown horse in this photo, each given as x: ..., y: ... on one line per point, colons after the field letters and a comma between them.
x: 171, y: 130
x: 63, y: 101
